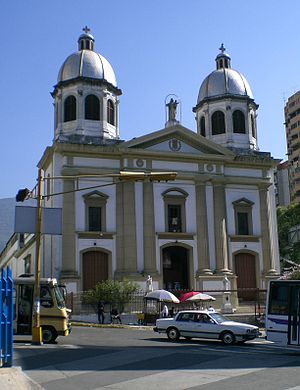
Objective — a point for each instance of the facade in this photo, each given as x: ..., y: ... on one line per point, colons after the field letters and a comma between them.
x: 292, y: 126
x: 216, y: 219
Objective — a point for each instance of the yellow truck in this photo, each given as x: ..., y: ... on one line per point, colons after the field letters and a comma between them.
x: 54, y: 316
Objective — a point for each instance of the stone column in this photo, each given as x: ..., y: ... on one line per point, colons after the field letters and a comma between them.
x: 149, y: 230
x: 268, y: 261
x: 220, y: 229
x: 202, y: 230
x: 126, y: 232
x: 69, y: 270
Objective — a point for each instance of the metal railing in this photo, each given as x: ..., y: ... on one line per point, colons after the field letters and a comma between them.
x: 249, y: 309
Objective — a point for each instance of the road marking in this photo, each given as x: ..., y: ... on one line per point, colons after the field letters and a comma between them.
x: 179, y: 379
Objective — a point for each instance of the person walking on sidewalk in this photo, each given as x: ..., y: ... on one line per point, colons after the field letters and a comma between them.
x: 100, y: 311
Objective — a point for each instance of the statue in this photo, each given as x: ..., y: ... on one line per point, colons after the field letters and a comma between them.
x: 149, y: 284
x: 172, y: 107
x: 226, y: 283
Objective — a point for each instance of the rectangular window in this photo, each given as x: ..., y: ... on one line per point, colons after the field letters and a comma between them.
x: 94, y: 222
x: 242, y: 223
x: 174, y: 218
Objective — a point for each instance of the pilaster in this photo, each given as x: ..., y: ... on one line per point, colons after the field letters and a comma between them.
x: 202, y: 230
x: 69, y: 270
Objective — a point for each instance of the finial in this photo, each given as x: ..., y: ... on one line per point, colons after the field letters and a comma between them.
x: 87, y: 30
x: 222, y: 48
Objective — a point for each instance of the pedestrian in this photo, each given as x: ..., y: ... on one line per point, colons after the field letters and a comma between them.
x: 165, y: 311
x: 115, y: 315
x: 100, y: 311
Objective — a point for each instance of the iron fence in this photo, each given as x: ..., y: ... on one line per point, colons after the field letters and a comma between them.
x: 251, y: 310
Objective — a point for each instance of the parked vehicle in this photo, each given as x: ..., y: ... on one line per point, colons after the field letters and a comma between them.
x: 283, y: 312
x: 205, y: 324
x: 54, y: 316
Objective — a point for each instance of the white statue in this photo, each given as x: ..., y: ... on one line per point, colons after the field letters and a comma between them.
x: 149, y: 284
x: 226, y: 283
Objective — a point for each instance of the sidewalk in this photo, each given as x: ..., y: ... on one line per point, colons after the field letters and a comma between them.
x: 13, y: 378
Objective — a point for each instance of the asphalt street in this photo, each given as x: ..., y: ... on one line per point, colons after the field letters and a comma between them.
x: 128, y: 359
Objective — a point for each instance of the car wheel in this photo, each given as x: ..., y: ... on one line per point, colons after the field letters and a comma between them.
x: 228, y: 338
x: 173, y: 334
x: 49, y: 334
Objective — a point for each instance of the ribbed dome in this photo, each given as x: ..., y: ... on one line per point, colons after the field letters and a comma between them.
x: 86, y: 63
x: 224, y: 82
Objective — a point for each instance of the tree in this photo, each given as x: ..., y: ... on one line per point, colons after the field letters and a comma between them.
x: 287, y: 218
x: 113, y: 292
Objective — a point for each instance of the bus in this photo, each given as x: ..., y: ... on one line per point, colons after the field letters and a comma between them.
x: 54, y: 316
x: 283, y: 312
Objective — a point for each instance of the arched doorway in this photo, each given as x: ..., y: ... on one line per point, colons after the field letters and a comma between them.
x: 246, y: 275
x: 94, y: 268
x: 175, y: 268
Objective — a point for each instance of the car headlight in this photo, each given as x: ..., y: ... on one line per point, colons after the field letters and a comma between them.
x: 251, y: 330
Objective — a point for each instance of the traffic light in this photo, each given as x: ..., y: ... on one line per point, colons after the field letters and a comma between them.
x: 22, y: 194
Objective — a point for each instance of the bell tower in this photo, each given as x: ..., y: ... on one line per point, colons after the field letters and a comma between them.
x: 86, y: 97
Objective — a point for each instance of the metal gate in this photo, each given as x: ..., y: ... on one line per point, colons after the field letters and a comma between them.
x: 7, y: 318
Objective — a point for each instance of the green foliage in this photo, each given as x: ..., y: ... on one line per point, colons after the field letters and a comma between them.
x: 295, y: 275
x: 287, y: 218
x: 109, y: 291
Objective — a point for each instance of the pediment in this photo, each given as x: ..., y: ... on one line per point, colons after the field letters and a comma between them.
x: 177, y: 139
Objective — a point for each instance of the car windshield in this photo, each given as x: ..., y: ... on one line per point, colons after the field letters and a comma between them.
x: 218, y: 318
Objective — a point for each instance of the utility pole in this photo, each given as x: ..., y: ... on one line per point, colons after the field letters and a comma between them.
x: 36, y: 326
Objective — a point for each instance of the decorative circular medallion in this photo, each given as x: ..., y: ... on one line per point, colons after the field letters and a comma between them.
x: 209, y: 167
x: 174, y: 144
x: 139, y: 163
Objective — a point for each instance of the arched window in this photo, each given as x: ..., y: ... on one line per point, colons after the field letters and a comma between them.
x: 92, y: 108
x: 238, y: 119
x: 218, y: 123
x: 110, y: 112
x: 70, y: 109
x: 253, y: 127
x: 202, y: 126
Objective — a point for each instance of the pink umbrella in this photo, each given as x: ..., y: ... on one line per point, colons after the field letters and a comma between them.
x: 186, y: 296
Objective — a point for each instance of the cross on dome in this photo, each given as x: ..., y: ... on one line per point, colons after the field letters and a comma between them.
x: 222, y: 48
x: 87, y: 30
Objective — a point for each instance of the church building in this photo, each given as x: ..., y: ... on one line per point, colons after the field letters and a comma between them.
x: 216, y: 219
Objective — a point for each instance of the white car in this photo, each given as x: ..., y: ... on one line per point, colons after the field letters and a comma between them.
x: 205, y: 324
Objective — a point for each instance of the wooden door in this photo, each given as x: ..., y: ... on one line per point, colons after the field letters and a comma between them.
x: 94, y: 268
x: 246, y: 275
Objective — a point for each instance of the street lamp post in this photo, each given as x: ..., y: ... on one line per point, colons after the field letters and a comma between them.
x: 36, y: 326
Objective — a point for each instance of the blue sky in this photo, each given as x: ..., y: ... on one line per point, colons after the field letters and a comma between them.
x: 156, y: 48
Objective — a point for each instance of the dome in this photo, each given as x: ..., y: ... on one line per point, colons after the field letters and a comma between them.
x: 224, y: 82
x: 86, y: 63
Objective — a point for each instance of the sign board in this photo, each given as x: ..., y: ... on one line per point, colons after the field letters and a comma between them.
x: 26, y: 217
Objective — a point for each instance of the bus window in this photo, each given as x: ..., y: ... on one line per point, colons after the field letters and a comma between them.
x: 59, y: 298
x: 45, y: 297
x: 279, y: 299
